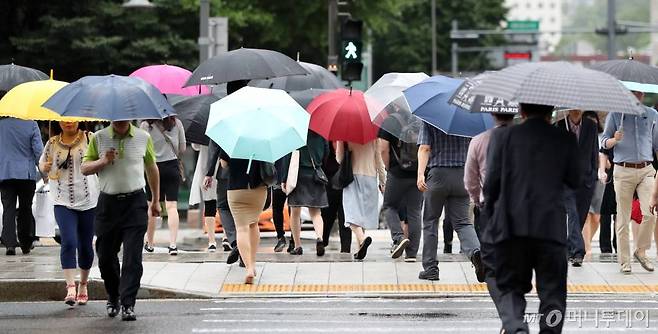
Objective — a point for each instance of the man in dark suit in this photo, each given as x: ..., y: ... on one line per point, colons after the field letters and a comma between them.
x: 577, y: 201
x: 528, y: 167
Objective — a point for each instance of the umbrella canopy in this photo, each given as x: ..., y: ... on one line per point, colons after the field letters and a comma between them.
x: 318, y: 78
x: 429, y: 101
x: 388, y: 89
x: 480, y: 103
x: 13, y: 75
x: 193, y: 113
x: 629, y: 70
x: 560, y: 84
x: 111, y: 97
x: 244, y: 64
x: 304, y: 97
x: 258, y: 124
x: 342, y: 115
x: 397, y: 120
x: 169, y: 79
x: 24, y: 101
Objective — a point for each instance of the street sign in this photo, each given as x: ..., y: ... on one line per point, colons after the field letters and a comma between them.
x: 523, y: 25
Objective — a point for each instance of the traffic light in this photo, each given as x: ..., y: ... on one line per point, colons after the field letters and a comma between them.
x: 351, y: 47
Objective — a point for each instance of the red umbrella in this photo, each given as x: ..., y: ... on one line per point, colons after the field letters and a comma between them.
x: 342, y: 115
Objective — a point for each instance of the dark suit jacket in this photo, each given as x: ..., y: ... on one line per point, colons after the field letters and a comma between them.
x: 528, y: 166
x: 588, y: 150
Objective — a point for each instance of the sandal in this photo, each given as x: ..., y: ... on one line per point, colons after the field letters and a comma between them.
x: 82, y: 298
x: 70, y: 297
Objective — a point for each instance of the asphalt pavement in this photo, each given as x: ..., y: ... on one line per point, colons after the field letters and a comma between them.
x: 321, y: 315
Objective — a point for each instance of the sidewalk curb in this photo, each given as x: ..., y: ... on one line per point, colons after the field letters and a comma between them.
x: 31, y: 290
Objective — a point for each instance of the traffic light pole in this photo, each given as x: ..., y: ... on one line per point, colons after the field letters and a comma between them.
x: 332, y: 54
x: 434, y: 61
x: 612, y: 26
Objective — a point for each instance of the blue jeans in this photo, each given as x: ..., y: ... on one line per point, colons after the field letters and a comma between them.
x: 76, y: 229
x: 575, y: 242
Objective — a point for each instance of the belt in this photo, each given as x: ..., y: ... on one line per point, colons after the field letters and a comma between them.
x: 633, y: 165
x: 125, y: 195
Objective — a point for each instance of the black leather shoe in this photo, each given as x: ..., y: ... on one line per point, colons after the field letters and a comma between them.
x: 479, y: 267
x: 112, y: 308
x: 319, y: 247
x: 280, y: 245
x: 431, y: 274
x: 11, y: 251
x: 26, y: 249
x: 128, y: 313
x: 233, y: 256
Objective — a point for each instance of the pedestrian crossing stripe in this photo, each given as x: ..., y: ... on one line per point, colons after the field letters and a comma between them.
x: 478, y: 288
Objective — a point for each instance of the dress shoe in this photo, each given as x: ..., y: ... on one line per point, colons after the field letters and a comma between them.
x: 363, y: 250
x: 11, y: 251
x: 319, y: 247
x: 280, y: 245
x: 233, y: 256
x: 112, y: 307
x: 128, y: 313
x: 26, y: 249
x: 430, y: 274
x: 644, y: 261
x: 476, y: 259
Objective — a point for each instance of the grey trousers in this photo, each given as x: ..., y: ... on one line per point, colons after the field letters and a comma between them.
x: 224, y: 211
x: 446, y: 189
x: 402, y: 194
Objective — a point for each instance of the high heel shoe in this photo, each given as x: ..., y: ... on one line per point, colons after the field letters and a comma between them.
x: 70, y: 296
x: 82, y: 298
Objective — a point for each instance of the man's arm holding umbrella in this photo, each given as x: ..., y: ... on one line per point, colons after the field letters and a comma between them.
x: 93, y: 162
x: 612, y: 133
x: 424, y: 150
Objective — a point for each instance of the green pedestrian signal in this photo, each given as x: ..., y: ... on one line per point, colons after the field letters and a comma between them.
x: 351, y: 49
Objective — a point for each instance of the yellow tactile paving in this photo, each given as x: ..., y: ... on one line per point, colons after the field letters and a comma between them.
x: 414, y: 288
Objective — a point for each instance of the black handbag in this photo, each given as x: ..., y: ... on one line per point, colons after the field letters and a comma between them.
x: 267, y: 173
x: 318, y: 174
x: 345, y: 175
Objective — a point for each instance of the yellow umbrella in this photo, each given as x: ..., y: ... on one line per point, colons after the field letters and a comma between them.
x: 24, y: 101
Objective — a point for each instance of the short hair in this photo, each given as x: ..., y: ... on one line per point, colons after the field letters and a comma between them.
x: 233, y: 86
x: 506, y: 117
x: 536, y: 110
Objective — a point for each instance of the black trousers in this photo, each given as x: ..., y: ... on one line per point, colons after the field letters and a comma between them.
x: 121, y: 220
x: 278, y: 203
x: 10, y: 190
x: 515, y: 260
x: 329, y: 215
x: 605, y: 236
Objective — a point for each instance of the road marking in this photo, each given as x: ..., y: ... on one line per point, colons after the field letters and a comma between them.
x: 361, y: 309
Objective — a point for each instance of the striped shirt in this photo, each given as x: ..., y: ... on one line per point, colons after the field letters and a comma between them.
x: 445, y: 150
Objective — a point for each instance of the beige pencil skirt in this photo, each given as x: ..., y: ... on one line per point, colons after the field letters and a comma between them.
x: 246, y: 205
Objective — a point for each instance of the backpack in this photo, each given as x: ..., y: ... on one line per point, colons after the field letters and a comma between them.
x: 406, y: 152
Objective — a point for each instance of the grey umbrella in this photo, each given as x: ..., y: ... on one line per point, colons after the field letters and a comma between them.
x: 244, y: 64
x: 560, y: 84
x: 12, y: 75
x: 304, y: 97
x: 629, y: 70
x: 318, y: 78
x: 193, y: 113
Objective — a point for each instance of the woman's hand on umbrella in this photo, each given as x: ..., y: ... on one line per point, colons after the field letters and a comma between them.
x: 207, y: 182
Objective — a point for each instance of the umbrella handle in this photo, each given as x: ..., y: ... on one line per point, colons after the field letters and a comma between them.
x: 621, y: 126
x: 249, y: 165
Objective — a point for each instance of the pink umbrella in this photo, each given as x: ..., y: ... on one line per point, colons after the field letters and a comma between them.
x: 169, y: 79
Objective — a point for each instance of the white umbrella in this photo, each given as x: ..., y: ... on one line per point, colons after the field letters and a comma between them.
x: 388, y: 89
x: 560, y: 84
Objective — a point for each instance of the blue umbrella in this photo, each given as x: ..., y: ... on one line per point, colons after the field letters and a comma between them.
x: 111, y: 97
x: 428, y: 100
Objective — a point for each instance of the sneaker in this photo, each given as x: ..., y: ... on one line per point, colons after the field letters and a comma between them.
x: 212, y: 248
x: 319, y: 247
x: 148, y: 249
x: 431, y: 274
x: 576, y: 261
x: 476, y: 259
x: 297, y: 251
x: 447, y: 249
x: 626, y: 268
x: 280, y: 245
x: 227, y: 245
x: 128, y: 313
x: 233, y: 256
x: 112, y: 307
x: 410, y: 259
x: 398, y: 248
x: 291, y: 246
x: 363, y: 250
x: 644, y: 261
x: 173, y: 251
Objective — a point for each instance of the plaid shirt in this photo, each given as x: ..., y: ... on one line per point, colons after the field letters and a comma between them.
x: 446, y: 150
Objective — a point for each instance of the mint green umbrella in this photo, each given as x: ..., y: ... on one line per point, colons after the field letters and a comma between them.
x: 258, y: 124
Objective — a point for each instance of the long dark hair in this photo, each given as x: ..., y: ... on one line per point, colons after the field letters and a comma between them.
x: 594, y: 115
x: 168, y: 123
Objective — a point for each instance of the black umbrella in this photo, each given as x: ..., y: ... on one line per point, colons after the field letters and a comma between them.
x: 244, y: 64
x: 13, y: 75
x: 193, y: 113
x: 629, y: 70
x: 318, y: 78
x: 304, y: 97
x: 480, y: 103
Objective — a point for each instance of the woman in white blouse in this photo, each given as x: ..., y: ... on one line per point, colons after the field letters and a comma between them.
x: 75, y: 197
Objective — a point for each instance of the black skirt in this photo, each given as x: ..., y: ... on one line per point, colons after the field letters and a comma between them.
x: 308, y: 193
